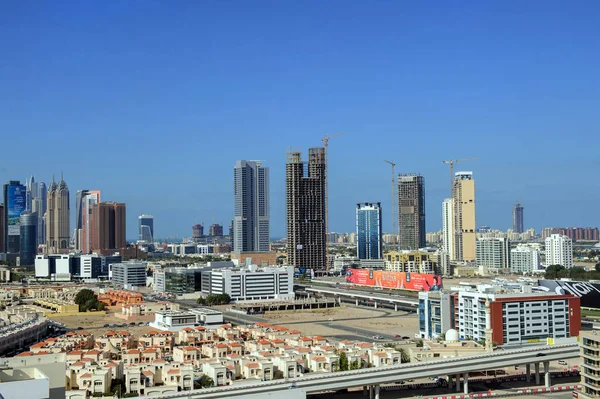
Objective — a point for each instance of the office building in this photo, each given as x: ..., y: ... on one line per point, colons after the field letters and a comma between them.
x: 178, y: 280
x: 197, y: 232
x: 305, y: 205
x: 251, y: 283
x: 590, y: 365
x: 146, y: 228
x: 15, y: 202
x: 411, y: 211
x: 65, y: 267
x: 448, y: 227
x: 108, y: 226
x: 90, y: 198
x: 434, y: 319
x: 516, y: 318
x: 518, y: 218
x: 524, y: 259
x: 574, y: 233
x: 215, y: 230
x: 251, y: 230
x: 58, y: 218
x: 559, y: 251
x: 368, y: 230
x: 79, y: 222
x: 493, y: 254
x: 28, y: 238
x: 129, y: 274
x: 464, y: 217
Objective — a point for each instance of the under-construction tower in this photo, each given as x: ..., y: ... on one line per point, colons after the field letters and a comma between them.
x: 305, y: 199
x: 411, y: 211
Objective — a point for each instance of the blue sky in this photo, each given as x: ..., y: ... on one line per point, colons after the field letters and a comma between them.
x: 153, y: 102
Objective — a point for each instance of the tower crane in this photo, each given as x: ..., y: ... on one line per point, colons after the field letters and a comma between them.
x: 325, y: 141
x: 451, y: 162
x: 394, y: 206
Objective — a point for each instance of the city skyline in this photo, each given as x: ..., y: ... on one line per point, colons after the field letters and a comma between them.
x: 244, y: 90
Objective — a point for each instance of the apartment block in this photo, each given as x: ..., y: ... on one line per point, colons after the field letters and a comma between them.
x: 464, y: 217
x: 493, y: 254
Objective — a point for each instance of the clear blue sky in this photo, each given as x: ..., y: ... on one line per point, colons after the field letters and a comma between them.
x: 153, y: 102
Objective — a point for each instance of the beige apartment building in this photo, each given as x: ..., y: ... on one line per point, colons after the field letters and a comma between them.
x: 464, y: 217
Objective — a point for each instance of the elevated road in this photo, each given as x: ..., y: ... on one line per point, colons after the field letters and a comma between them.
x: 363, y: 295
x: 389, y: 374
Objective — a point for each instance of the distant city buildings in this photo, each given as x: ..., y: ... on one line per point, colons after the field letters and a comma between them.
x: 58, y: 216
x: 493, y: 255
x: 146, y: 228
x: 524, y: 259
x: 251, y: 229
x: 215, y: 230
x: 518, y: 218
x: 574, y: 233
x: 305, y: 205
x: 2, y: 230
x: 197, y: 232
x: 464, y: 217
x: 411, y: 211
x: 559, y: 251
x: 369, y: 230
x: 128, y: 274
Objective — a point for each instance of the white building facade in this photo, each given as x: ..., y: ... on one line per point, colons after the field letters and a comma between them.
x: 253, y: 283
x: 434, y: 315
x: 559, y: 251
x: 524, y: 259
x: 448, y: 226
x: 129, y: 274
x: 493, y: 254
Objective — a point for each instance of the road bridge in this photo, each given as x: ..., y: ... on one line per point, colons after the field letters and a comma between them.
x: 371, y: 297
x: 457, y: 367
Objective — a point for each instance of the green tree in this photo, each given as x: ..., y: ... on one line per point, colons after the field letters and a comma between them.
x: 419, y: 343
x: 201, y: 301
x: 404, y: 356
x: 597, y: 267
x: 206, y: 382
x: 118, y: 387
x: 553, y: 271
x: 355, y: 365
x: 343, y: 361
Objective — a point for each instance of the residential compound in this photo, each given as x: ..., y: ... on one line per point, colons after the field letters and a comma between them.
x: 160, y: 362
x: 559, y: 251
x: 306, y: 210
x: 411, y: 211
x: 514, y: 318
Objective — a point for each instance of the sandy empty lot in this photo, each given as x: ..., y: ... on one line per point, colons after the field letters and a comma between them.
x: 94, y: 323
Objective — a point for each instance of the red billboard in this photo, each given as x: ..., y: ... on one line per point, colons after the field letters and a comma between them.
x: 395, y: 280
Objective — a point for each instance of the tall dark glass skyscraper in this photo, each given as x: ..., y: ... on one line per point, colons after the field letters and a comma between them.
x: 15, y: 203
x: 411, y: 211
x: 518, y: 218
x: 251, y: 207
x: 368, y: 230
x: 28, y: 233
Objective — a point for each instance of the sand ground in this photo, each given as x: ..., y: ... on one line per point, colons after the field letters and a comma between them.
x: 94, y: 323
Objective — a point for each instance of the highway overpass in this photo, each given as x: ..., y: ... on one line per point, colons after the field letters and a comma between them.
x: 368, y: 296
x: 372, y: 377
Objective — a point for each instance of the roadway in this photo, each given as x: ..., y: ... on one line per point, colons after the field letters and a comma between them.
x: 377, y: 296
x: 386, y: 375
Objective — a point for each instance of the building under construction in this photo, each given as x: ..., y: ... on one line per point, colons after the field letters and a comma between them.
x: 305, y: 195
x: 411, y: 211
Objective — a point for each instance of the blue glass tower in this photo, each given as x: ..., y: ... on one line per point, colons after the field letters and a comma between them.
x: 368, y: 230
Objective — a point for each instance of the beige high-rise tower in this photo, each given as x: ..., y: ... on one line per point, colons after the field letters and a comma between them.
x: 464, y: 217
x: 58, y: 218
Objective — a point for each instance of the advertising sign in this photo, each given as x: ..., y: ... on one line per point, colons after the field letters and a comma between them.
x: 396, y: 280
x: 589, y: 293
x: 16, y: 202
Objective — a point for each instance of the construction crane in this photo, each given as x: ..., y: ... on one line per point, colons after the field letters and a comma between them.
x: 394, y: 206
x: 325, y: 141
x: 451, y: 162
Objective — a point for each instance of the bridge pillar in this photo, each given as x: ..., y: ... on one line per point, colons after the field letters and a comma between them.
x: 466, y: 383
x: 357, y: 302
x: 528, y: 372
x: 396, y: 307
x: 376, y: 391
x: 450, y: 382
x: 457, y: 382
x: 537, y: 373
x: 365, y: 390
x: 375, y: 304
x: 547, y: 374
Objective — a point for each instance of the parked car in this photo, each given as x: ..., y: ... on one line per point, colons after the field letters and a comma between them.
x: 562, y: 362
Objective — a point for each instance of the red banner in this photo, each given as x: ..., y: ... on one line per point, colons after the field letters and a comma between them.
x: 395, y: 280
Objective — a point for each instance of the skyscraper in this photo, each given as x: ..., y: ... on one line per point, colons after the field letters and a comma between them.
x: 146, y: 227
x: 448, y: 226
x: 251, y: 207
x: 215, y: 230
x: 28, y: 234
x: 559, y: 251
x: 464, y: 217
x: 15, y: 203
x: 411, y: 211
x: 1, y: 228
x: 197, y: 232
x: 58, y: 218
x: 40, y: 205
x: 368, y: 230
x: 79, y: 211
x: 31, y: 192
x: 90, y: 198
x: 305, y: 203
x: 518, y: 218
x: 107, y: 226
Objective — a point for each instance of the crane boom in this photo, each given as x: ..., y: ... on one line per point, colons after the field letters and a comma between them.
x: 394, y: 206
x: 451, y: 162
